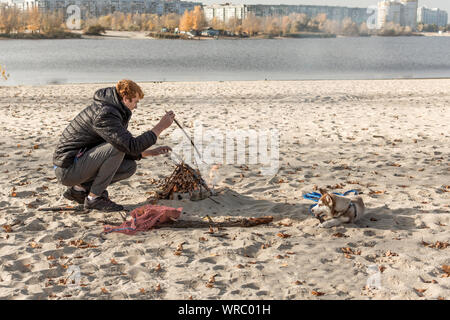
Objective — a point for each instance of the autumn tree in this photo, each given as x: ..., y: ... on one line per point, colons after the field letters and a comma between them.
x: 90, y: 21
x: 251, y: 25
x: 363, y: 29
x: 105, y: 21
x: 199, y: 20
x: 234, y: 25
x: 2, y: 19
x: 127, y: 22
x: 332, y: 26
x: 117, y: 21
x: 53, y: 22
x: 286, y: 25
x: 272, y: 26
x: 320, y: 20
x: 171, y: 21
x: 187, y: 21
x: 349, y: 28
x: 9, y: 20
x: 153, y: 23
x: 300, y: 22
x: 218, y: 24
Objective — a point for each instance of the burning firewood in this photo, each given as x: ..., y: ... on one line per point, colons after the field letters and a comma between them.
x: 183, y: 179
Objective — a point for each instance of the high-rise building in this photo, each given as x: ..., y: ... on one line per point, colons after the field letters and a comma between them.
x: 403, y: 13
x: 432, y: 16
x: 225, y: 12
x: 103, y: 7
x: 388, y: 11
x: 409, y: 13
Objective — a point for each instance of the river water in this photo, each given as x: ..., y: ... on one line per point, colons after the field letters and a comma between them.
x: 35, y: 62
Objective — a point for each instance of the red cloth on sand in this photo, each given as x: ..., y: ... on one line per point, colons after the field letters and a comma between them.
x: 144, y: 218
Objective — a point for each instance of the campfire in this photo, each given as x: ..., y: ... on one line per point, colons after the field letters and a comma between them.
x: 184, y: 180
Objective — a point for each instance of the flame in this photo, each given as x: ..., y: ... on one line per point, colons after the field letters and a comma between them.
x: 213, y: 176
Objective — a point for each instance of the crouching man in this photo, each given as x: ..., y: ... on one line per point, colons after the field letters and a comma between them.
x: 96, y: 149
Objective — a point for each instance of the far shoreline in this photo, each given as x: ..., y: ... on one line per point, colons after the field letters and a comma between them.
x: 144, y: 35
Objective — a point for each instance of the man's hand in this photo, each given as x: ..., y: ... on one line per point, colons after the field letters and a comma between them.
x: 156, y: 151
x: 165, y: 122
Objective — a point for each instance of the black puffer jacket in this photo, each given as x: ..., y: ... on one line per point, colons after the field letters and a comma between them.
x: 105, y: 120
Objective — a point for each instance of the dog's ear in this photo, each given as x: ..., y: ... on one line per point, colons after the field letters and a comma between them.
x: 328, y: 199
x: 322, y: 191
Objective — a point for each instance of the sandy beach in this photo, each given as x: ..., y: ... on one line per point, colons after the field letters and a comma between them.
x: 116, y: 34
x: 388, y: 139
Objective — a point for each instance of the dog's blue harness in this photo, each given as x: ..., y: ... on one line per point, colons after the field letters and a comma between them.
x: 315, y: 196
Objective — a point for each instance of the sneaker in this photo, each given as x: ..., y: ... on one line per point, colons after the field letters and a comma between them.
x: 73, y: 195
x: 102, y: 204
x: 78, y: 196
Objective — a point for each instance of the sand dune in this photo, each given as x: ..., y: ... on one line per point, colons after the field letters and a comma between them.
x: 388, y: 139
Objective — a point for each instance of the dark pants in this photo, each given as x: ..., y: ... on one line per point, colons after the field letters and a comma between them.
x: 97, y: 168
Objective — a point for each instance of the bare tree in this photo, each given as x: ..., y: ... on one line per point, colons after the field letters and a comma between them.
x: 300, y: 22
x: 251, y: 24
x: 286, y: 25
x: 218, y: 24
x: 234, y: 26
x: 349, y: 28
x: 9, y: 20
x: 272, y: 26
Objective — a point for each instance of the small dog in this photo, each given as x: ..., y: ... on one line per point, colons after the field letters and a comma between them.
x: 336, y: 210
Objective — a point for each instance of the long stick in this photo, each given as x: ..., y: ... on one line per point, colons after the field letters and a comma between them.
x: 192, y: 142
x: 185, y: 133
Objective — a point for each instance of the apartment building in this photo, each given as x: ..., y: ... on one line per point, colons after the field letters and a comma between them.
x: 228, y: 11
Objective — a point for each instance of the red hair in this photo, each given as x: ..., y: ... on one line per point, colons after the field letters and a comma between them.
x: 128, y: 89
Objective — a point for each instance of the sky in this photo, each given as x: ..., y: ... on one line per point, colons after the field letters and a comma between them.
x: 441, y: 4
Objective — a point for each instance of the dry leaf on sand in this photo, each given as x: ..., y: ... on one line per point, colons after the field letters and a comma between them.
x: 446, y: 269
x: 35, y: 245
x: 389, y: 253
x: 339, y: 235
x: 348, y: 250
x: 283, y: 235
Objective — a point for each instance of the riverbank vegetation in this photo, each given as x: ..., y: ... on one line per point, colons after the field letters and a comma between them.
x: 296, y: 25
x: 432, y: 28
x: 94, y: 30
x: 33, y: 24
